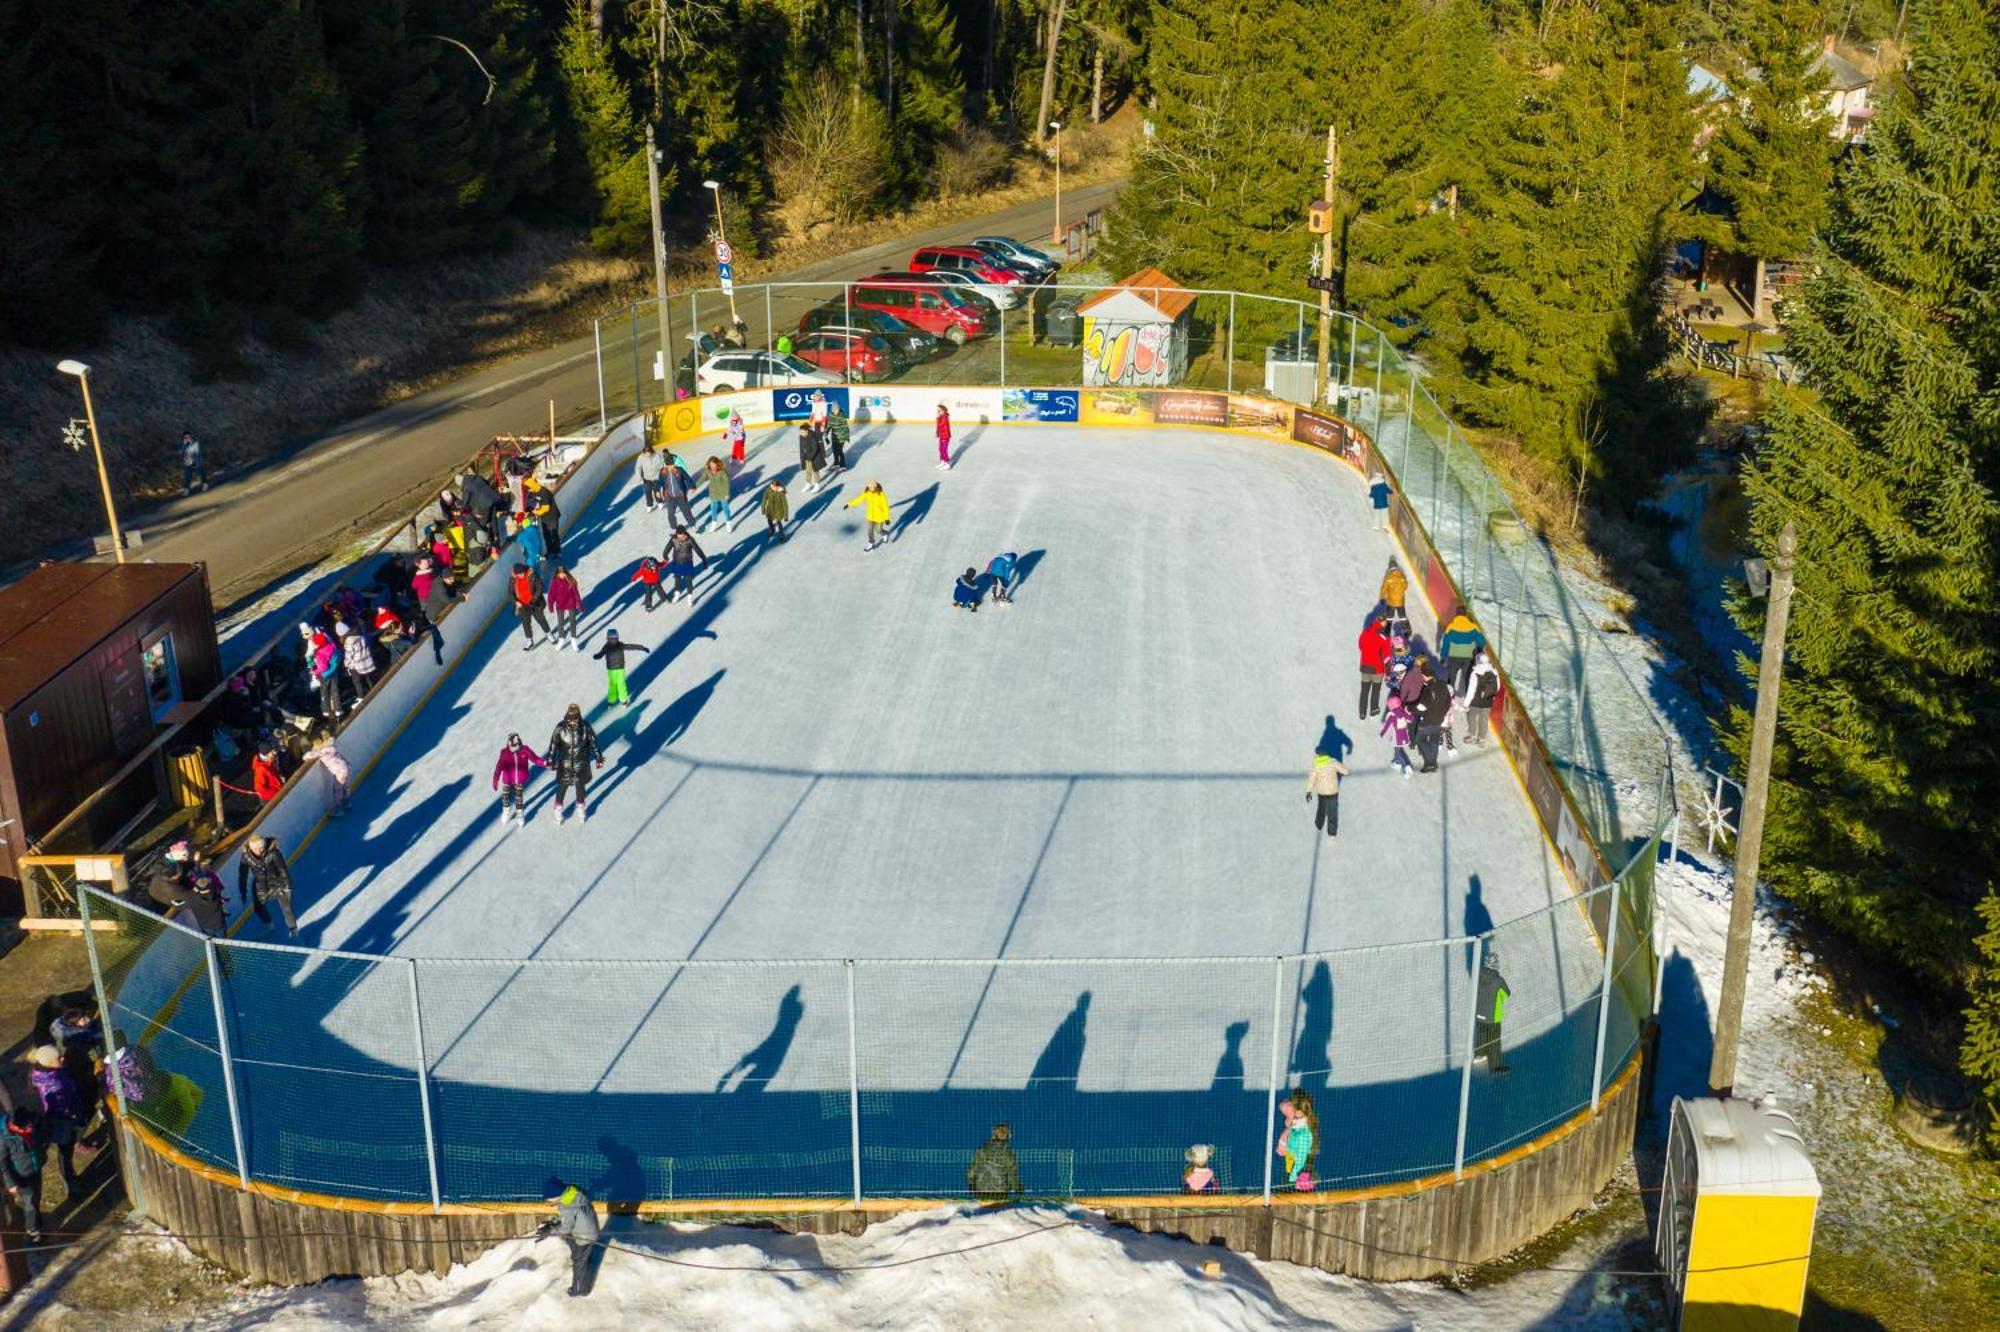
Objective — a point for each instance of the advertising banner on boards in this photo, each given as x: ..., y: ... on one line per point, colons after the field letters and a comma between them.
x: 795, y: 404
x: 1175, y: 407
x: 1033, y: 404
x: 1266, y: 414
x: 1115, y: 407
x: 1326, y: 432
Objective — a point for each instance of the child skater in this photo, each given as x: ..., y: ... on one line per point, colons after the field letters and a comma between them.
x: 734, y: 435
x: 1397, y: 725
x: 566, y: 600
x: 944, y: 438
x: 965, y: 592
x: 875, y: 508
x: 612, y: 654
x: 682, y: 559
x: 647, y: 575
x: 1001, y: 570
x: 510, y: 778
x: 777, y: 509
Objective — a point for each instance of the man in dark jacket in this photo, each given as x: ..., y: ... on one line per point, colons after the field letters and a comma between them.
x: 21, y: 1160
x: 994, y: 1175
x: 482, y: 499
x: 1489, y: 1008
x: 263, y: 877
x: 1433, y: 702
x: 674, y: 478
x: 572, y: 751
x: 174, y: 890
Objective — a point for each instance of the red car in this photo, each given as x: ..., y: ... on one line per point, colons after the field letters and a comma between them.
x: 938, y: 310
x: 963, y: 259
x: 859, y: 356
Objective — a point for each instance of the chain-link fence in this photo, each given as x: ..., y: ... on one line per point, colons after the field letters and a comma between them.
x: 401, y: 1079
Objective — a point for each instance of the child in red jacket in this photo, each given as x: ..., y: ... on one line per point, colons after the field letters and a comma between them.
x: 648, y: 575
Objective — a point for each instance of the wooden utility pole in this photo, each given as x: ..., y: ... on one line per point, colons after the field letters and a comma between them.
x: 1326, y: 261
x: 1750, y: 838
x: 659, y: 278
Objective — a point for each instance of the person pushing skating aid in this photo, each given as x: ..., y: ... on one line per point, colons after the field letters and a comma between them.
x: 612, y: 654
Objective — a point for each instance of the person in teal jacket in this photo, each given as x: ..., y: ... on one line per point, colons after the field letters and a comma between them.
x: 1460, y: 642
x: 1299, y: 1143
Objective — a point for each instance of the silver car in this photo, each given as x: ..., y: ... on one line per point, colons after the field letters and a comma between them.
x: 739, y: 369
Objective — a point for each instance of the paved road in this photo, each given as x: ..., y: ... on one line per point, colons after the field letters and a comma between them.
x: 290, y: 511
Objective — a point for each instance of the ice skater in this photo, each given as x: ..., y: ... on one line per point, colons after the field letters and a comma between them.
x: 573, y: 753
x: 1376, y: 646
x: 1397, y: 726
x: 263, y: 877
x: 944, y: 438
x: 532, y: 545
x: 612, y: 654
x: 1395, y: 588
x: 1323, y: 782
x: 647, y: 576
x: 736, y: 437
x: 1460, y: 642
x: 652, y: 467
x: 1485, y: 689
x: 528, y: 602
x: 777, y: 509
x: 1001, y: 570
x: 1432, y: 703
x: 817, y: 411
x: 875, y: 508
x: 1378, y: 500
x: 966, y: 592
x: 836, y: 437
x: 812, y: 453
x: 682, y: 559
x: 329, y: 757
x: 516, y: 764
x: 566, y: 600
x: 716, y: 477
x: 677, y: 484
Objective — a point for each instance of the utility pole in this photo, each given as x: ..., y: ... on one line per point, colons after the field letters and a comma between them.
x: 81, y: 373
x: 1750, y: 838
x: 660, y: 269
x: 1326, y: 261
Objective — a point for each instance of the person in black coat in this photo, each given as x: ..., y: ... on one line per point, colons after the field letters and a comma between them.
x: 21, y: 1161
x: 572, y: 753
x: 263, y: 877
x: 1432, y: 704
x: 482, y: 499
x: 173, y: 890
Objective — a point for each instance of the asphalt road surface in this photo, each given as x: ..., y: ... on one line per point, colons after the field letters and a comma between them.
x: 260, y: 525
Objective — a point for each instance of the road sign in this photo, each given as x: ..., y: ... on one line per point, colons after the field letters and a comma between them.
x: 723, y: 254
x: 1325, y: 284
x: 726, y: 272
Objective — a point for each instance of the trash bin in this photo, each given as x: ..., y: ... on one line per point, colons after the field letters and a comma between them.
x: 1061, y: 326
x: 187, y: 776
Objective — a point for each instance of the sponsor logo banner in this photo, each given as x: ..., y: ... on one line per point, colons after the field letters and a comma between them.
x: 795, y: 404
x: 1174, y: 408
x: 1325, y: 432
x: 1039, y: 404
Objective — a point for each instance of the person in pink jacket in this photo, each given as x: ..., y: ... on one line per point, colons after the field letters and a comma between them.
x: 566, y: 600
x: 944, y: 438
x: 510, y: 778
x: 1398, y: 725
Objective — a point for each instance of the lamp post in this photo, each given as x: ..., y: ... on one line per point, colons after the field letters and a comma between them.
x: 1750, y: 836
x: 714, y: 187
x: 82, y: 373
x: 669, y: 386
x: 1056, y: 125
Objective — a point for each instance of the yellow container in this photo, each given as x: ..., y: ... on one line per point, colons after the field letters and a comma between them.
x: 1736, y: 1216
x: 187, y: 776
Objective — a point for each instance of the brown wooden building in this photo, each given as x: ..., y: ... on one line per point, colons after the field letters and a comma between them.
x: 94, y: 660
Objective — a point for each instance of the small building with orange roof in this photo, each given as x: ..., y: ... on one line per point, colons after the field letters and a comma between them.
x: 1136, y: 332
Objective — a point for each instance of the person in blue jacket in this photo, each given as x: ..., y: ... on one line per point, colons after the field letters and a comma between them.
x: 533, y: 548
x: 1378, y: 499
x: 966, y: 592
x: 1001, y: 570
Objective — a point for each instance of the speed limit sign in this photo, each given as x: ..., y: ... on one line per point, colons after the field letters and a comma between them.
x: 723, y: 254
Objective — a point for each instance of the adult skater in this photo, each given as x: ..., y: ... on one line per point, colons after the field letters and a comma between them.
x: 573, y: 752
x: 736, y: 437
x: 678, y: 484
x: 652, y: 467
x: 1375, y: 645
x: 965, y: 593
x: 836, y: 437
x: 510, y: 778
x: 1378, y: 500
x: 1458, y: 644
x: 566, y: 600
x: 1001, y: 570
x: 875, y: 508
x: 1395, y: 587
x: 1489, y: 1008
x: 944, y: 438
x: 1485, y: 689
x: 575, y: 1222
x: 531, y: 545
x: 812, y: 453
x: 263, y: 877
x: 716, y: 477
x: 647, y: 575
x: 542, y: 507
x: 1432, y: 705
x: 1324, y: 782
x: 777, y: 509
x: 682, y: 559
x: 612, y: 654
x: 323, y: 669
x: 528, y: 602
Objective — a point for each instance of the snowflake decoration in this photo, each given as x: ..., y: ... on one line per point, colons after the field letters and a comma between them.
x: 73, y: 434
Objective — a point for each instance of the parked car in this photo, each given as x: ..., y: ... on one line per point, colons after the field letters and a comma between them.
x: 931, y: 307
x: 729, y: 370
x: 962, y: 285
x: 860, y: 356
x: 998, y: 295
x: 963, y: 259
x: 1014, y: 251
x: 908, y: 345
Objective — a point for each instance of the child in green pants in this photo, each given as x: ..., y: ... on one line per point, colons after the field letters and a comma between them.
x: 613, y: 656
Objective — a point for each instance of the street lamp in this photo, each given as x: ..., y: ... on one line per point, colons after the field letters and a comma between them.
x: 666, y: 320
x: 714, y: 187
x: 1056, y: 125
x: 82, y: 373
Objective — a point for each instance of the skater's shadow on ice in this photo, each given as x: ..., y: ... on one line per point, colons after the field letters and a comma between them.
x: 963, y: 445
x: 914, y: 510
x: 1026, y: 566
x: 762, y: 1061
x: 1333, y: 741
x: 644, y: 741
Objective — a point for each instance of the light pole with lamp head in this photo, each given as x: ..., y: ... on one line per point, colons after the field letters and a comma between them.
x: 714, y: 187
x: 82, y: 373
x: 1056, y: 125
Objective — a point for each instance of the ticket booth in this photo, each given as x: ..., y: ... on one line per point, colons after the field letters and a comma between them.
x: 1737, y: 1206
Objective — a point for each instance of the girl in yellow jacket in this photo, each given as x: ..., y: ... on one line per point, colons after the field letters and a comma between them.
x: 875, y: 508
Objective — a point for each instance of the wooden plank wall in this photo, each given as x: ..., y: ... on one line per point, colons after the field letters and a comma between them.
x: 1402, y: 1237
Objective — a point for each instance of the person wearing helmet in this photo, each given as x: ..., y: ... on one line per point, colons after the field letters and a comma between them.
x: 612, y: 654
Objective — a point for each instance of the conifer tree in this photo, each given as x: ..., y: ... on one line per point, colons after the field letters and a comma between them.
x: 600, y: 104
x: 1881, y: 813
x: 930, y: 92
x: 49, y: 292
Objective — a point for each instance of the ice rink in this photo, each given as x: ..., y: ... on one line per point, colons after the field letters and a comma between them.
x: 823, y: 759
